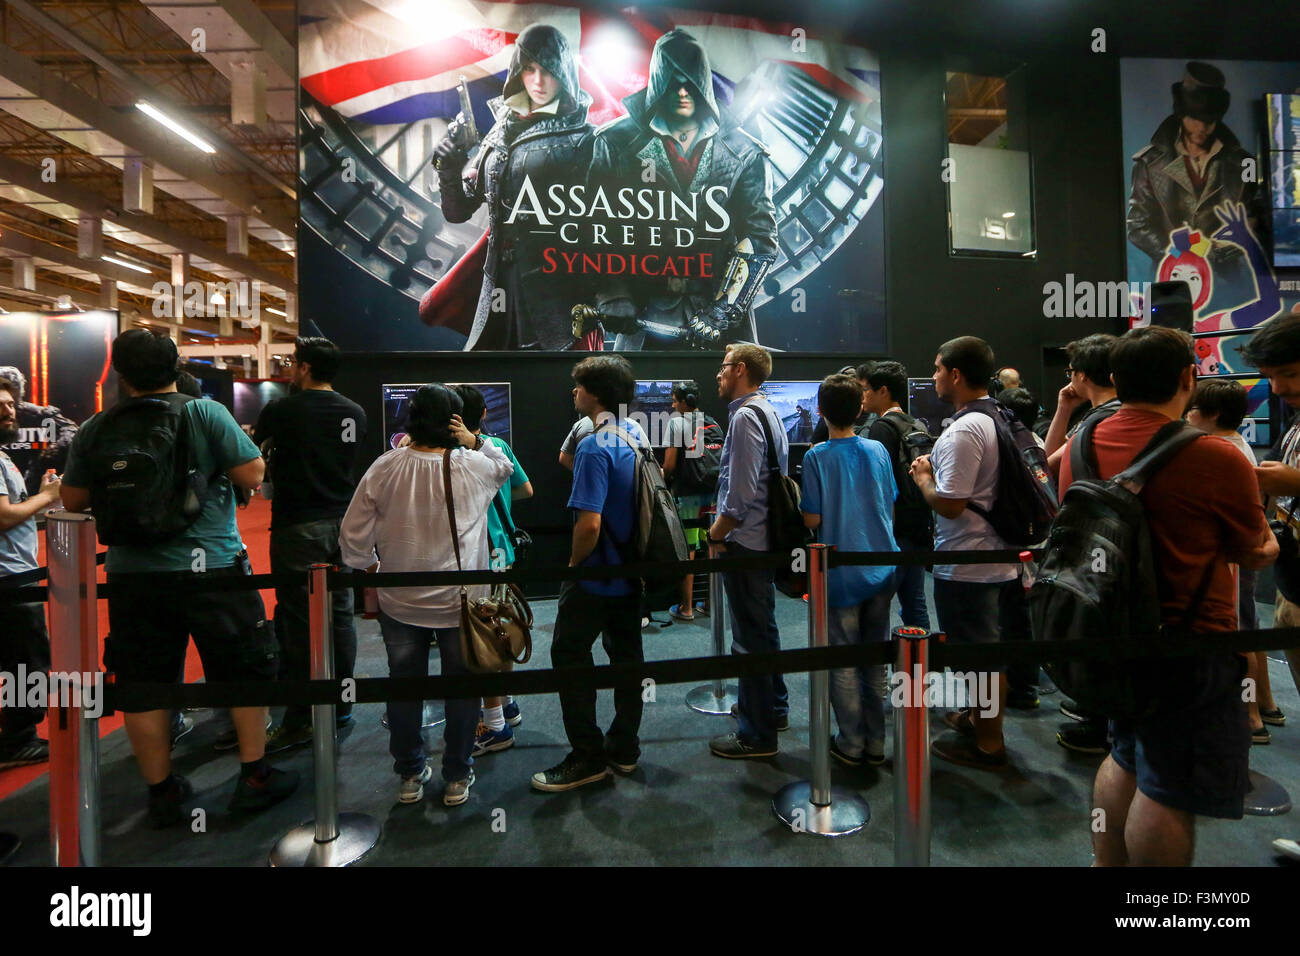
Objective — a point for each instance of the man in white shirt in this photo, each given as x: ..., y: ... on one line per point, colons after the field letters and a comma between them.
x: 963, y: 471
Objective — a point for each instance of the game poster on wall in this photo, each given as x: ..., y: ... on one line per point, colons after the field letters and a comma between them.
x: 483, y: 175
x: 1206, y: 147
x: 61, y: 361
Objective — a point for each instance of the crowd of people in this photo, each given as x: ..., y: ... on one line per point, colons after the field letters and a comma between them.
x: 869, y: 482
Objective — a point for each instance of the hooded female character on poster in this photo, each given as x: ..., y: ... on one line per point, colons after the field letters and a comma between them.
x: 540, y: 131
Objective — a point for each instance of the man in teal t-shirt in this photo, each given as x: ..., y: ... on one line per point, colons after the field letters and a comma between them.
x: 152, y: 615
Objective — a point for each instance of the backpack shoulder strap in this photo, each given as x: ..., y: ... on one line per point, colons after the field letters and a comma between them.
x: 772, y: 463
x: 1163, y: 446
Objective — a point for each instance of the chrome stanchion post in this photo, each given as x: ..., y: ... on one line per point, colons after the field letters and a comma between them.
x: 814, y: 806
x: 334, y: 839
x: 74, y: 649
x: 716, y: 698
x: 912, y: 751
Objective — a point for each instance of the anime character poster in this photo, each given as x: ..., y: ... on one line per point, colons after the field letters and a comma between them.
x: 525, y: 176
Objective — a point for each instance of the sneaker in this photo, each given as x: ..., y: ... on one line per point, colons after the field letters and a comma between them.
x: 229, y: 740
x: 874, y: 757
x: 645, y: 622
x: 9, y: 845
x: 35, y: 750
x: 1260, y: 736
x: 489, y: 741
x: 782, y: 720
x: 168, y: 808
x: 1022, y: 699
x: 1288, y: 848
x: 569, y: 773
x: 843, y: 757
x: 732, y: 747
x: 181, y: 725
x: 620, y: 763
x: 1274, y: 717
x: 959, y: 749
x: 1084, y: 738
x: 457, y: 791
x: 411, y: 789
x: 1070, y: 709
x: 286, y: 738
x: 253, y: 794
x: 510, y: 711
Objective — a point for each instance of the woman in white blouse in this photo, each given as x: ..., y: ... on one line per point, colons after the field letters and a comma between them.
x: 398, y: 520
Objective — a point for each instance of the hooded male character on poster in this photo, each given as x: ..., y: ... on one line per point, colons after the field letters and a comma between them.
x: 540, y: 131
x: 676, y: 138
x: 1194, y: 164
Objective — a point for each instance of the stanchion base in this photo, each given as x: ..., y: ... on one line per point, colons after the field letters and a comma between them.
x: 846, y: 814
x: 358, y: 834
x: 429, y: 718
x: 704, y: 701
x: 1266, y: 797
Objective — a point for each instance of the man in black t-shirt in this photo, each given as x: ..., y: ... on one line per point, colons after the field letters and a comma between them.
x: 316, y: 434
x: 884, y: 383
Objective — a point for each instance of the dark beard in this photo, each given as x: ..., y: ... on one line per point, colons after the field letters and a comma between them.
x: 8, y: 434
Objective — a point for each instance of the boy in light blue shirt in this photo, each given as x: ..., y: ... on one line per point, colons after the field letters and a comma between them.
x: 848, y: 493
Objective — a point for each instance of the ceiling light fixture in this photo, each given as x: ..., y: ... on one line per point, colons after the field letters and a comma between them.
x: 155, y: 114
x: 274, y: 311
x: 127, y: 265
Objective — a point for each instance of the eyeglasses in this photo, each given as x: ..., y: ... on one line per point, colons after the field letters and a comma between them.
x: 1070, y: 371
x: 725, y: 364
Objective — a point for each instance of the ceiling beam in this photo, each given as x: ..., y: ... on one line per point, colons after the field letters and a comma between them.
x: 265, y: 36
x: 135, y: 134
x: 27, y: 246
x: 29, y: 177
x: 143, y: 91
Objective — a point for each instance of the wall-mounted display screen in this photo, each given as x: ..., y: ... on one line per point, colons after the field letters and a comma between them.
x: 254, y: 394
x: 397, y: 404
x: 796, y: 406
x: 1283, y: 112
x: 927, y: 407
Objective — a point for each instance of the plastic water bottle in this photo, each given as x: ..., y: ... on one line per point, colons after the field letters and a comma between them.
x: 1028, y: 569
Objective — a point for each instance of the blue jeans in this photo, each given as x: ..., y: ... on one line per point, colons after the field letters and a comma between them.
x: 857, y: 693
x: 408, y: 656
x: 911, y: 590
x: 751, y: 602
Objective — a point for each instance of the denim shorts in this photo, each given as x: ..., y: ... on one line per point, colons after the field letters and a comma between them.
x: 1196, y: 759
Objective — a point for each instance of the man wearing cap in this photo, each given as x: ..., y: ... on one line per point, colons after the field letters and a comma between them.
x: 1192, y: 164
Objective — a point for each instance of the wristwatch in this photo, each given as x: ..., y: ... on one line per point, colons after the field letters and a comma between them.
x: 712, y: 540
x: 478, y: 442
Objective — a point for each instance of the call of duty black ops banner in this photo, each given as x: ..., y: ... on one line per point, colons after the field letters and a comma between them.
x: 525, y: 176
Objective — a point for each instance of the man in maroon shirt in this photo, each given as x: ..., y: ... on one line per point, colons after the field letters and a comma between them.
x: 1203, y: 510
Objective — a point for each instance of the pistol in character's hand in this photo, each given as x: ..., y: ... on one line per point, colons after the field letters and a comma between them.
x: 446, y: 153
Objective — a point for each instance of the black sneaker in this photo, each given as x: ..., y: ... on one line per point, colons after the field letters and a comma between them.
x: 229, y: 740
x: 168, y: 808
x: 733, y: 747
x: 9, y: 846
x: 253, y: 794
x: 286, y: 738
x: 1259, y: 736
x: 842, y: 757
x: 181, y: 725
x: 1070, y: 709
x: 782, y: 720
x: 1088, y: 737
x: 569, y: 774
x: 35, y: 750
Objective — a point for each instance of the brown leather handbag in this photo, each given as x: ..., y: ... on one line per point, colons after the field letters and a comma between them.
x: 495, y: 631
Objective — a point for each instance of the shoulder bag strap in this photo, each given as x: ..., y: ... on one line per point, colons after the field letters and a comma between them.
x: 451, y: 507
x: 504, y: 515
x: 773, y: 464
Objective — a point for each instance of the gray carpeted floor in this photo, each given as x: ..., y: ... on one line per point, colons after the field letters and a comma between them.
x: 682, y: 806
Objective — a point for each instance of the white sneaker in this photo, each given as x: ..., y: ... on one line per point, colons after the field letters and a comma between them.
x: 457, y: 791
x: 412, y: 788
x: 1287, y: 848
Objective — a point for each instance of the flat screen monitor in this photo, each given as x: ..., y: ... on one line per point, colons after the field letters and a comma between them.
x: 253, y: 394
x: 927, y: 407
x: 796, y: 406
x: 397, y: 405
x: 1283, y: 125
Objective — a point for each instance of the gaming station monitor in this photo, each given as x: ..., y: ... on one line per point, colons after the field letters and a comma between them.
x: 254, y: 394
x: 927, y: 407
x: 796, y: 406
x: 397, y: 401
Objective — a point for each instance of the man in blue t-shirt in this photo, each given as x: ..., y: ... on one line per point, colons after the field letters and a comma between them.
x: 604, y: 503
x: 152, y: 616
x: 24, y: 641
x: 848, y: 494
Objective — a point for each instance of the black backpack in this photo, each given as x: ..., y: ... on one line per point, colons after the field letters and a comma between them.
x: 657, y: 534
x: 785, y: 528
x: 1024, y: 501
x: 1098, y: 582
x: 145, y: 485
x: 700, y: 463
x: 913, y: 519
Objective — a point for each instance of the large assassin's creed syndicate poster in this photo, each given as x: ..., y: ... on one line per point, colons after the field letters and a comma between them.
x: 484, y: 175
